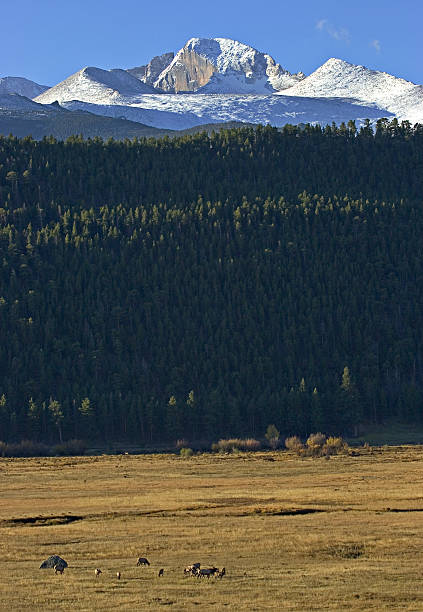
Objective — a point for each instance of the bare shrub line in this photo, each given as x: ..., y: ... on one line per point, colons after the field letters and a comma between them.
x: 317, y: 445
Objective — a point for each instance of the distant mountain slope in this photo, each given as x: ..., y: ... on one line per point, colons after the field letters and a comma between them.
x: 179, y: 112
x: 96, y: 85
x: 337, y: 78
x: 21, y: 86
x: 156, y: 111
x: 14, y: 101
x: 23, y: 117
x: 222, y: 65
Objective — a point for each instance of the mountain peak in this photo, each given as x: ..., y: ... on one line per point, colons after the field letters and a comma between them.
x: 337, y: 78
x: 223, y: 65
x: 95, y: 84
x: 336, y: 61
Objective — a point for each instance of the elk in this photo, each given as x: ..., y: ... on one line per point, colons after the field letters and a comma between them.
x: 142, y: 561
x: 59, y: 568
x: 118, y: 575
x: 220, y: 573
x: 192, y: 569
x: 97, y: 572
x: 207, y: 571
x: 161, y: 572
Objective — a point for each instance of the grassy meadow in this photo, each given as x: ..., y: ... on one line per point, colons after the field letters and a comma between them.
x: 293, y: 533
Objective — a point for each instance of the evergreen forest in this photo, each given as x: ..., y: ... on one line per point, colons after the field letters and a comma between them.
x: 209, y: 285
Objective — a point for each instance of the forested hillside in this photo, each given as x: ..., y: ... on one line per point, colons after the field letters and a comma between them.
x: 207, y: 286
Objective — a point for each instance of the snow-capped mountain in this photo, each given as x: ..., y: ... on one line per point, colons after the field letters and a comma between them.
x: 339, y: 79
x: 96, y: 85
x: 218, y: 80
x: 221, y: 65
x: 21, y: 86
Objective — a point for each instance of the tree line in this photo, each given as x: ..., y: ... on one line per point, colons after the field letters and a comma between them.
x: 207, y: 286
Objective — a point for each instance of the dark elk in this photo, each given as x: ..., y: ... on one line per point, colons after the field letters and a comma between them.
x: 142, y: 561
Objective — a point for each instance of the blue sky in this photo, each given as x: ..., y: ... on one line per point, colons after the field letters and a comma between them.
x: 47, y: 40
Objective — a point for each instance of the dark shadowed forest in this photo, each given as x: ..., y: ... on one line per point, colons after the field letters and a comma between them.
x: 209, y: 285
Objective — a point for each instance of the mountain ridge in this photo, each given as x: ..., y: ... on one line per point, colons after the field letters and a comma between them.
x: 339, y: 78
x: 219, y: 79
x: 196, y: 66
x: 21, y: 86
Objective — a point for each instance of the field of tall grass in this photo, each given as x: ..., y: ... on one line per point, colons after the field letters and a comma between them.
x: 294, y: 533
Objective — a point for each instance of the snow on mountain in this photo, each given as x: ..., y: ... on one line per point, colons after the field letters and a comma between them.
x: 221, y: 80
x: 232, y: 82
x: 340, y: 79
x: 97, y: 86
x: 21, y: 86
x: 222, y: 65
x: 152, y: 113
x: 176, y: 111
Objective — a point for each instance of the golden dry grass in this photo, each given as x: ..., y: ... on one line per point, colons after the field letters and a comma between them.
x: 293, y: 533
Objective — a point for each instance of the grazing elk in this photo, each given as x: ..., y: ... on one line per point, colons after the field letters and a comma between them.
x: 142, y: 561
x: 207, y: 571
x: 59, y: 568
x: 192, y: 569
x: 97, y: 572
x: 220, y: 573
x: 161, y: 572
x: 118, y: 575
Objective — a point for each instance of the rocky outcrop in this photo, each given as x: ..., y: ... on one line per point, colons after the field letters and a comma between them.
x: 280, y: 78
x: 151, y: 71
x: 222, y: 65
x: 188, y: 72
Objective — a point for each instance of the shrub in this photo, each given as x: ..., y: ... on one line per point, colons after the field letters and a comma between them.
x: 316, y: 439
x: 25, y: 448
x: 272, y: 436
x: 317, y: 445
x: 236, y: 444
x: 294, y: 443
x: 334, y: 446
x: 250, y: 444
x: 186, y: 452
x: 314, y: 444
x: 28, y: 448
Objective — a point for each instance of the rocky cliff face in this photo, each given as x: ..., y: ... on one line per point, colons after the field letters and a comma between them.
x: 188, y: 72
x: 221, y: 65
x: 151, y: 71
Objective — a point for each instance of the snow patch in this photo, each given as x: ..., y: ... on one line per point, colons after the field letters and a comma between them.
x: 181, y: 111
